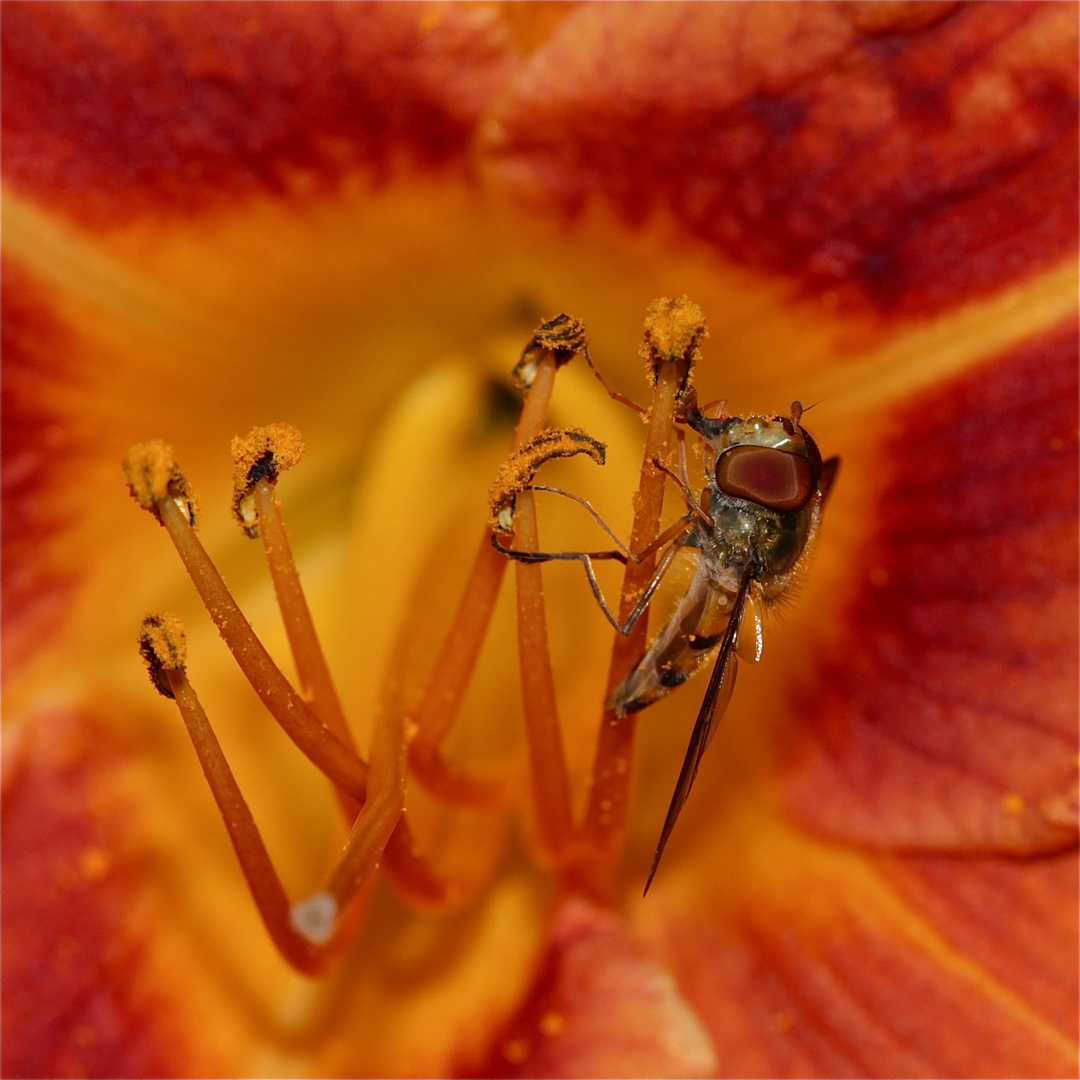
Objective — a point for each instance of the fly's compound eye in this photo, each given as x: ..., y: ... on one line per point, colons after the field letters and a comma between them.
x: 772, y: 478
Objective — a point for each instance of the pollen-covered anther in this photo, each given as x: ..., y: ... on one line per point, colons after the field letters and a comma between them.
x: 163, y: 647
x: 674, y: 330
x: 517, y: 472
x: 153, y: 476
x: 562, y: 337
x: 263, y: 454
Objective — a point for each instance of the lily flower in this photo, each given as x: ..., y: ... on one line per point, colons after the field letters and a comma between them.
x: 350, y: 218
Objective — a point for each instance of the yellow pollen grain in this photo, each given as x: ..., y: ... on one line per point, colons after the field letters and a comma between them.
x: 94, y: 863
x: 85, y: 1036
x: 1013, y: 804
x: 674, y: 330
x: 515, y: 1050
x: 516, y: 473
x: 552, y: 1024
x: 783, y: 1020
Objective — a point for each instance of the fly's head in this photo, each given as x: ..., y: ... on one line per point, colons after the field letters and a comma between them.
x: 765, y: 489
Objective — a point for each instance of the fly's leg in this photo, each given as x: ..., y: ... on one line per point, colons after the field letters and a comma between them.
x: 695, y: 510
x: 673, y: 535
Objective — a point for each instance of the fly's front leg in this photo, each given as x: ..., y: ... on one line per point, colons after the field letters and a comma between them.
x: 696, y: 511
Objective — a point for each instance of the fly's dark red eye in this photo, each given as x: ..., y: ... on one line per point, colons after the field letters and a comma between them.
x: 770, y: 477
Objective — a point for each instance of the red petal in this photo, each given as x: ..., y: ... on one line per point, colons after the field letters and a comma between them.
x: 110, y: 111
x: 80, y: 994
x: 35, y: 448
x: 914, y: 160
x: 944, y: 714
x: 1014, y: 918
x: 835, y: 975
x: 601, y: 1005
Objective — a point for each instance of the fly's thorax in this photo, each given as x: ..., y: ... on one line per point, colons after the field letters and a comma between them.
x: 746, y: 532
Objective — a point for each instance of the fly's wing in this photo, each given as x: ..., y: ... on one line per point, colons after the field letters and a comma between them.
x: 717, y: 696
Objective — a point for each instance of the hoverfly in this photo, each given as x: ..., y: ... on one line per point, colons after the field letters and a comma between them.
x: 752, y: 530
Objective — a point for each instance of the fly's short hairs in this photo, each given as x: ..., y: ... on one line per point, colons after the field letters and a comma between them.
x: 517, y: 471
x: 153, y: 476
x: 674, y: 330
x: 163, y: 647
x: 562, y: 337
x: 263, y: 454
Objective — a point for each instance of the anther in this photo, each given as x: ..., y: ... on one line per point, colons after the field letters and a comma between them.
x: 153, y: 476
x: 562, y: 338
x: 516, y: 473
x: 263, y: 454
x: 163, y: 648
x: 674, y: 330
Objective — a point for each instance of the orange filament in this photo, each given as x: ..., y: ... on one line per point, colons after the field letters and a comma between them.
x: 457, y: 659
x: 550, y: 782
x: 406, y: 868
x: 605, y: 821
x: 164, y: 649
x: 307, y: 731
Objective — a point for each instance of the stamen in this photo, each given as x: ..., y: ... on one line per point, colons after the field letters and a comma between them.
x: 456, y: 660
x: 381, y: 812
x: 258, y: 460
x: 339, y: 763
x: 673, y: 332
x: 550, y: 782
x: 560, y: 338
x: 162, y: 645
